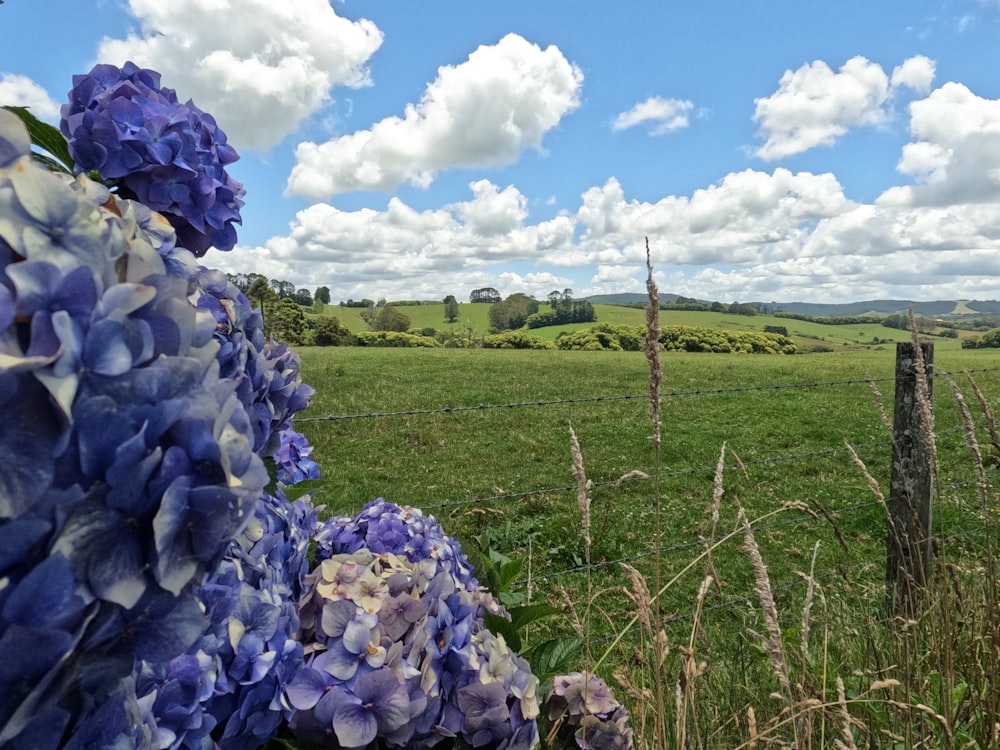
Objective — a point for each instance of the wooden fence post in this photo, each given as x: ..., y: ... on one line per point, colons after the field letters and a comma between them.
x: 908, y: 549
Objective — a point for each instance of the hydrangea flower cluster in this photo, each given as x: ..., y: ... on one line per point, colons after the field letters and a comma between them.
x: 227, y: 688
x: 170, y: 156
x: 292, y: 458
x: 152, y: 595
x: 588, y: 712
x: 382, y: 526
x: 395, y: 650
x: 267, y: 377
x: 125, y: 463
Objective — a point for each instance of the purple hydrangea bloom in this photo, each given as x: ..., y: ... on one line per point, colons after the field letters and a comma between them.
x: 292, y: 457
x: 225, y: 692
x: 138, y: 472
x: 382, y: 526
x: 268, y: 381
x: 396, y: 649
x: 588, y: 712
x: 170, y: 156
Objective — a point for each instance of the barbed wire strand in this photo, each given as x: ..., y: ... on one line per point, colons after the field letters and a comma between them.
x: 693, y: 543
x: 671, y: 474
x: 622, y: 397
x: 840, y: 572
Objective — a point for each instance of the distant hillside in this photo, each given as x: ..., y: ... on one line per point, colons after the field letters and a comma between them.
x: 628, y: 298
x: 934, y: 309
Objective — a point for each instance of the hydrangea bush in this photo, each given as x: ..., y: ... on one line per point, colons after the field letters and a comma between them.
x: 157, y: 590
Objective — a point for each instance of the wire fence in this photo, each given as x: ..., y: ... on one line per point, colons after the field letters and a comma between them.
x: 868, y: 514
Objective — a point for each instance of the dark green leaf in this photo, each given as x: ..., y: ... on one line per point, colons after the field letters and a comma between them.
x: 509, y: 571
x: 512, y: 598
x: 501, y: 626
x: 272, y: 472
x: 46, y: 137
x: 523, y: 616
x: 552, y: 657
x: 294, y: 491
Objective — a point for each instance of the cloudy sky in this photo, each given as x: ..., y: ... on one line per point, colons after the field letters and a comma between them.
x: 769, y: 150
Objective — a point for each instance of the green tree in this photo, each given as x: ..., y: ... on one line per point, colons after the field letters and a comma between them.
x: 323, y: 295
x: 283, y: 288
x: 450, y: 308
x: 302, y: 297
x: 260, y: 295
x: 285, y: 321
x: 331, y: 332
x: 513, y: 312
x: 388, y: 318
x: 486, y: 294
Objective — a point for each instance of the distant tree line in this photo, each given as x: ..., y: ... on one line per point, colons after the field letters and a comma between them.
x: 486, y: 294
x: 254, y: 285
x: 989, y: 340
x: 689, y: 304
x: 832, y: 320
x: 606, y: 336
x: 565, y: 309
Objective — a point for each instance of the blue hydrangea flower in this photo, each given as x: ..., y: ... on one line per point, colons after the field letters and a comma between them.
x: 225, y: 692
x: 139, y: 471
x: 170, y: 156
x: 588, y: 713
x: 382, y: 526
x: 268, y: 381
x: 387, y: 638
x: 292, y: 458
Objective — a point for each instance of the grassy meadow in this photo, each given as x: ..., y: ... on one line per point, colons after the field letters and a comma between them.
x: 806, y: 334
x: 500, y: 479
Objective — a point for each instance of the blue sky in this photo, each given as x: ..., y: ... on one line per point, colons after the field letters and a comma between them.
x: 781, y: 151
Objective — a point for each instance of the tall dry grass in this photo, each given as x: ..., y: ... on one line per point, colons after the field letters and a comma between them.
x: 833, y: 671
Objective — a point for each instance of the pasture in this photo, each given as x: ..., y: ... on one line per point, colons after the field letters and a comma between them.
x: 806, y: 334
x: 384, y: 423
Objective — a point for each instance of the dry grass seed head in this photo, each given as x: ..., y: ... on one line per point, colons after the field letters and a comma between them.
x: 880, y: 403
x: 811, y: 591
x: 847, y: 735
x: 651, y: 347
x: 969, y: 429
x: 574, y: 620
x: 640, y: 596
x: 629, y: 476
x: 869, y: 479
x: 765, y: 595
x: 991, y: 422
x: 582, y: 486
x: 717, y: 488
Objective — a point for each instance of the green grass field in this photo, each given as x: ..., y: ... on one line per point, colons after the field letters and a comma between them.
x: 451, y: 463
x: 806, y: 334
x: 500, y: 478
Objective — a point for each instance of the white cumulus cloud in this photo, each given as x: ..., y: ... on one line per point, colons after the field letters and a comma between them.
x: 21, y: 91
x: 262, y: 66
x: 483, y: 112
x: 916, y: 73
x: 814, y: 106
x: 955, y: 153
x: 663, y: 115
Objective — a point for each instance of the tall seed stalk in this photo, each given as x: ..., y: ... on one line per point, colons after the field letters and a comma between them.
x: 583, y: 502
x: 651, y: 348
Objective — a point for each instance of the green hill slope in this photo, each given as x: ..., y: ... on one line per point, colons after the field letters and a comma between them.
x: 807, y: 335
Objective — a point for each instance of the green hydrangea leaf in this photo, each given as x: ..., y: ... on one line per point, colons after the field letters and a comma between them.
x: 48, y: 138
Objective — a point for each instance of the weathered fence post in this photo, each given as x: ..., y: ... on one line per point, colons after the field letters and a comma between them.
x: 908, y: 549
